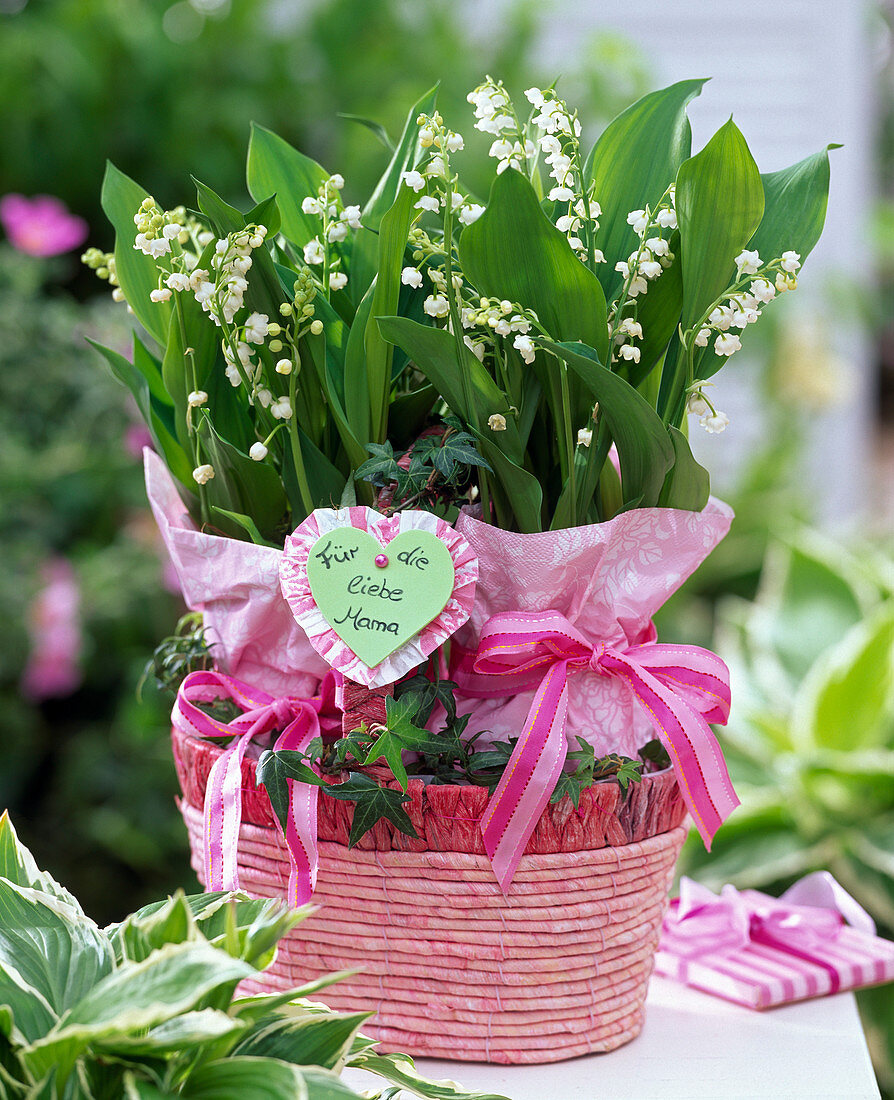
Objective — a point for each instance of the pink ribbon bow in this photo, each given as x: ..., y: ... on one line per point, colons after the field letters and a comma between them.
x: 680, y: 687
x: 300, y: 722
x: 701, y: 923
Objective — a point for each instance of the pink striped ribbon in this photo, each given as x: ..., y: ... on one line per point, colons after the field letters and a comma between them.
x: 680, y: 687
x: 300, y: 722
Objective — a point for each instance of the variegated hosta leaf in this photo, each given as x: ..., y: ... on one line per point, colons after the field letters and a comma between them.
x: 174, y: 980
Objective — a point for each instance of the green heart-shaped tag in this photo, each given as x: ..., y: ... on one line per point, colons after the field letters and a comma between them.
x: 375, y: 608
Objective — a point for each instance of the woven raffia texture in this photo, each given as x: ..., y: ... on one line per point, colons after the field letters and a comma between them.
x: 451, y: 967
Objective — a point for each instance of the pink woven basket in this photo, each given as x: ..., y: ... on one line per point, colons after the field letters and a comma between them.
x: 450, y: 966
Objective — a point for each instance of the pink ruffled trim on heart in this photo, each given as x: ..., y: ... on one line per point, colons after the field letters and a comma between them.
x: 296, y: 589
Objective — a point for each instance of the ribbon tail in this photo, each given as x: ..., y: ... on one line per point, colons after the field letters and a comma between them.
x: 696, y: 756
x: 223, y: 817
x: 301, y: 825
x: 530, y: 777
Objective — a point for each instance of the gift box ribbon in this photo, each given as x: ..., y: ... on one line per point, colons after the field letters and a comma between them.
x: 301, y: 720
x: 680, y: 687
x: 700, y: 923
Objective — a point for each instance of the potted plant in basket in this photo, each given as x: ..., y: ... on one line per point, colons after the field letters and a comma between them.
x: 423, y: 468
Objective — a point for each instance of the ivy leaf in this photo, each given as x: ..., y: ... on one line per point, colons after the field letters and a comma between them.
x: 427, y: 694
x: 382, y: 468
x: 654, y: 752
x: 275, y: 768
x: 372, y: 804
x: 400, y: 736
x: 630, y: 771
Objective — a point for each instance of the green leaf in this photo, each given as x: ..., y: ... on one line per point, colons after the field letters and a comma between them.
x: 513, y: 251
x: 659, y: 314
x: 400, y: 736
x: 406, y: 156
x: 223, y: 217
x: 687, y: 485
x: 378, y: 352
x: 136, y: 996
x: 248, y: 525
x: 137, y: 273
x: 274, y: 769
x: 241, y: 484
x: 847, y: 699
x: 136, y: 937
x: 399, y: 1069
x: 795, y: 207
x: 312, y: 1040
x: 275, y: 167
x: 191, y: 1029
x: 372, y: 803
x: 719, y: 203
x: 632, y: 164
x: 51, y: 956
x: 245, y: 1079
x: 462, y: 381
x: 644, y: 447
x: 374, y: 127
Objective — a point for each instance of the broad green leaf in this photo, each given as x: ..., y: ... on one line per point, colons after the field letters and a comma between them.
x: 326, y: 481
x: 137, y: 273
x: 136, y: 996
x: 633, y: 163
x: 400, y: 1070
x: 752, y: 851
x: 687, y: 485
x: 523, y: 491
x: 461, y: 380
x: 645, y: 450
x: 720, y: 203
x: 378, y: 352
x: 314, y: 1040
x: 513, y: 251
x: 276, y: 168
x: 192, y: 1029
x: 847, y: 698
x: 50, y: 947
x: 248, y: 525
x: 356, y: 384
x: 659, y: 314
x: 136, y: 937
x: 223, y: 217
x: 241, y: 484
x: 795, y: 210
x: 159, y: 417
x: 364, y: 255
x: 406, y: 156
x: 245, y: 927
x: 266, y: 213
x: 473, y: 396
x: 245, y: 1079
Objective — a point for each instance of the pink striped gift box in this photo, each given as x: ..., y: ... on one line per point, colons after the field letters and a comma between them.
x: 761, y: 951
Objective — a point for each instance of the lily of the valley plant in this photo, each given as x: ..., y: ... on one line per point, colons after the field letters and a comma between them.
x: 434, y: 349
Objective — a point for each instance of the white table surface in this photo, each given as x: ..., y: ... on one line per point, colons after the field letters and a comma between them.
x: 698, y: 1047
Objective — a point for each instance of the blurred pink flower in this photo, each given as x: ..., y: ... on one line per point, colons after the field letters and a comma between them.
x: 42, y: 226
x: 54, y: 626
x: 136, y: 437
